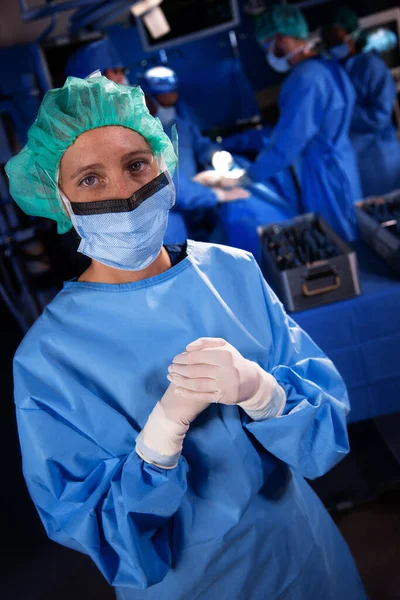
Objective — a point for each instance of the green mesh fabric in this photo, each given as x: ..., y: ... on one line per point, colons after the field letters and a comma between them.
x: 283, y: 19
x: 346, y: 18
x: 66, y: 113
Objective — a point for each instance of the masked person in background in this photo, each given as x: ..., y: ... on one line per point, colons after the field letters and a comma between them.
x: 372, y: 131
x: 167, y: 415
x: 100, y: 55
x: 316, y: 103
x: 196, y: 204
x: 239, y: 211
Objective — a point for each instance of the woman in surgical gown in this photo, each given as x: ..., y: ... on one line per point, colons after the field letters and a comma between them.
x: 372, y: 132
x: 178, y: 467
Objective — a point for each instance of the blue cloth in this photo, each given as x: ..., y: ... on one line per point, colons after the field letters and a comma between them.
x: 232, y: 101
x: 234, y: 519
x: 253, y: 140
x: 372, y: 131
x: 195, y: 152
x: 242, y: 218
x: 362, y: 337
x: 316, y: 104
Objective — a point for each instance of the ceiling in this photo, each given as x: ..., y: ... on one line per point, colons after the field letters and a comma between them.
x: 13, y: 30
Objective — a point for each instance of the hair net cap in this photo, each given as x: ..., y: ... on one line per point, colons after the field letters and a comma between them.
x: 160, y: 80
x: 346, y: 18
x: 283, y: 19
x: 100, y: 55
x: 65, y: 113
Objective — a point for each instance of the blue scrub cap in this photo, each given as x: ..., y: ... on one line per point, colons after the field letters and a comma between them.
x: 100, y: 55
x: 159, y: 80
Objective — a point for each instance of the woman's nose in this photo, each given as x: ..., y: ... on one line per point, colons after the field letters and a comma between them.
x: 124, y: 188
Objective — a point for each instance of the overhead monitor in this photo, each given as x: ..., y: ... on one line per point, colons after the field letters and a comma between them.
x: 191, y: 20
x: 383, y: 36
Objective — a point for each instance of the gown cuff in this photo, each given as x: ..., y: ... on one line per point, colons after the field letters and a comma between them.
x: 269, y: 400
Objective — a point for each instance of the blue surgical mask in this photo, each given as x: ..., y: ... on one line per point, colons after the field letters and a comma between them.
x: 125, y: 234
x: 282, y: 64
x: 340, y: 51
x: 166, y: 114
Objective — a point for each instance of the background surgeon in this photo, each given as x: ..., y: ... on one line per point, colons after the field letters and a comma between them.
x: 372, y: 130
x: 316, y: 103
x: 196, y: 204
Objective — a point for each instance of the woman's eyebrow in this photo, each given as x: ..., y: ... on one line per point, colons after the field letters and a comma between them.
x: 135, y: 153
x: 85, y: 168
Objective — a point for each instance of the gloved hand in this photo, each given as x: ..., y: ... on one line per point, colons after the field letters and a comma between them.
x: 209, y: 178
x: 236, y: 193
x: 160, y: 441
x: 214, y: 371
x: 230, y: 182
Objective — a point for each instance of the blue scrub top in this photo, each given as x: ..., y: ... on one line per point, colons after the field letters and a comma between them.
x: 372, y: 131
x: 316, y: 103
x: 195, y: 152
x: 235, y: 519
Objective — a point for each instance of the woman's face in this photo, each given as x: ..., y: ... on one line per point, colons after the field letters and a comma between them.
x: 105, y: 164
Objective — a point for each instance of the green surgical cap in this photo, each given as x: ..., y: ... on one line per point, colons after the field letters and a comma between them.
x: 284, y: 19
x: 65, y: 113
x: 346, y: 18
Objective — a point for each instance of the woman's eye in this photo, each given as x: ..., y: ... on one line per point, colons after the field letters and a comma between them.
x: 88, y: 181
x: 138, y: 165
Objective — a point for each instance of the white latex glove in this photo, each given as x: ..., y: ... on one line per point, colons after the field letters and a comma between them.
x: 230, y: 182
x: 209, y: 178
x: 213, y: 370
x: 236, y: 193
x: 160, y: 441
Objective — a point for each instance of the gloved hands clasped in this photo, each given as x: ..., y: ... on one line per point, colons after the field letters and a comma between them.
x: 210, y: 371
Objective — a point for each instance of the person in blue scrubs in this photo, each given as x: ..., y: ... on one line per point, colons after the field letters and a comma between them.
x: 168, y: 408
x: 231, y: 216
x: 372, y: 131
x: 196, y: 205
x: 316, y: 104
x: 100, y: 55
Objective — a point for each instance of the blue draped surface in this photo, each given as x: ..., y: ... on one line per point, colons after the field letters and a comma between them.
x: 362, y: 337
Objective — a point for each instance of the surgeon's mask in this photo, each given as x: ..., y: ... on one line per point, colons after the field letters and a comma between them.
x: 125, y: 234
x: 340, y: 51
x: 166, y: 114
x: 282, y: 64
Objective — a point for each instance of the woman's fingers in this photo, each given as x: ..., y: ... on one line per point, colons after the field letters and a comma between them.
x: 217, y: 356
x: 207, y: 386
x: 194, y: 371
x: 198, y: 396
x: 205, y: 342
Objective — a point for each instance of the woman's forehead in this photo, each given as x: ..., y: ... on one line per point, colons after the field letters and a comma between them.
x: 99, y: 144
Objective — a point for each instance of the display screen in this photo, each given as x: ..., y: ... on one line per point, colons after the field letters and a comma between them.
x: 190, y: 19
x: 385, y: 40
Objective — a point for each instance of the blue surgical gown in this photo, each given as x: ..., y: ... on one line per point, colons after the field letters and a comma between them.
x: 195, y: 152
x: 316, y: 103
x: 372, y: 131
x: 235, y: 519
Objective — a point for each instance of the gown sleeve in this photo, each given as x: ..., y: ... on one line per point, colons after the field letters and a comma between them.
x: 301, y: 109
x: 92, y: 491
x: 203, y: 147
x: 311, y: 435
x: 192, y: 195
x: 376, y: 93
